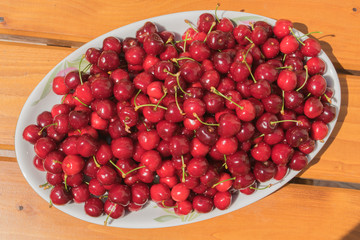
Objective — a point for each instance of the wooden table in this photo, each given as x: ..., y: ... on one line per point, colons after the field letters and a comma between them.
x: 297, y: 211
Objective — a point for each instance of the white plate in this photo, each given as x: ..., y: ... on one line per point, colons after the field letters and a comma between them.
x: 42, y: 98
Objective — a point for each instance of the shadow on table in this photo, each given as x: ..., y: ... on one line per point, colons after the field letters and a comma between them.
x: 343, y: 84
x: 353, y: 234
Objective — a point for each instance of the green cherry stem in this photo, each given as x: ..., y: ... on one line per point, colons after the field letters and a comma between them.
x: 225, y: 164
x: 205, y: 123
x: 297, y: 38
x: 41, y: 130
x: 123, y: 175
x: 282, y: 111
x: 262, y: 188
x: 149, y: 105
x: 229, y: 179
x: 310, y: 34
x: 82, y: 58
x: 217, y: 6
x: 306, y: 78
x: 177, y: 102
x: 77, y: 99
x: 214, y: 90
x: 137, y: 94
x: 286, y: 120
x: 165, y: 92
x: 212, y: 26
x: 185, y: 40
x: 111, y: 211
x: 183, y: 166
x: 191, y: 26
x: 65, y: 182
x: 96, y: 162
x: 327, y: 98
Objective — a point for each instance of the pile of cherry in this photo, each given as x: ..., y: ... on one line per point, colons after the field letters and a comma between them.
x: 183, y: 123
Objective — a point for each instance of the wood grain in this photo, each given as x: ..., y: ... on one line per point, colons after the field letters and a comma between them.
x: 295, y: 211
x: 76, y: 21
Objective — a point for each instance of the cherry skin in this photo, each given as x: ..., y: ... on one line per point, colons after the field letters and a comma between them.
x: 94, y: 207
x: 120, y: 194
x: 261, y: 152
x: 202, y: 204
x: 222, y: 200
x: 160, y: 192
x: 264, y: 171
x: 281, y: 153
x: 229, y: 125
x: 72, y: 164
x: 298, y: 161
x: 59, y: 195
x: 319, y: 130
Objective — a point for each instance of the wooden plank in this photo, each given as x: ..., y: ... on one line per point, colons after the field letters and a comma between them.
x: 75, y: 21
x: 293, y: 212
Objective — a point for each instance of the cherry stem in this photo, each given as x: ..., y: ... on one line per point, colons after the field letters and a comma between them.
x: 217, y: 6
x: 45, y: 186
x: 185, y: 40
x: 82, y: 58
x: 63, y: 98
x: 111, y: 211
x: 310, y: 34
x: 282, y: 111
x: 76, y: 98
x: 327, y: 98
x: 183, y: 166
x: 163, y: 204
x: 284, y: 67
x: 191, y: 26
x: 149, y: 105
x: 260, y: 136
x: 178, y: 83
x: 96, y: 162
x: 147, y: 129
x: 285, y: 120
x: 205, y: 123
x: 41, y: 130
x: 212, y: 26
x: 56, y: 161
x: 176, y: 60
x: 261, y: 188
x: 132, y: 170
x: 165, y: 92
x: 137, y: 94
x: 229, y: 179
x: 248, y: 67
x: 65, y: 183
x: 306, y: 78
x: 127, y: 128
x: 247, y: 38
x: 297, y: 38
x: 214, y: 90
x: 284, y: 57
x: 177, y: 103
x: 122, y: 172
x: 50, y: 204
x: 225, y: 164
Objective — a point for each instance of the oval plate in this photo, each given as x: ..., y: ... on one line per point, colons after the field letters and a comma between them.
x: 42, y: 98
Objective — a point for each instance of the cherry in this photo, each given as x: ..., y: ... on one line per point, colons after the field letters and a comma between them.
x: 271, y: 48
x: 213, y: 102
x: 266, y: 71
x: 153, y: 44
x: 86, y: 145
x: 204, y: 22
x: 198, y: 149
x: 275, y: 137
x: 296, y: 135
x: 229, y: 125
x: 140, y: 193
x: 43, y: 146
x: 311, y: 48
x: 160, y: 192
x: 289, y: 44
x: 259, y: 35
x: 122, y: 147
x: 199, y: 51
x: 227, y: 146
x: 135, y: 55
x: 202, y: 204
x: 113, y: 210
x: 282, y: 28
x: 316, y: 65
x: 94, y: 207
x: 241, y: 32
x: 92, y: 55
x: 264, y: 171
x: 197, y: 167
x: 261, y: 89
x: 80, y: 193
x: 59, y: 195
x: 281, y: 153
x: 216, y: 40
x: 287, y: 80
x: 183, y: 208
x: 108, y: 60
x: 31, y: 133
x: 316, y: 85
x: 120, y: 194
x: 72, y: 164
x: 191, y: 71
x: 313, y: 107
x: 261, y: 152
x: 308, y: 146
x: 244, y: 181
x: 298, y: 161
x: 247, y: 113
x: 222, y: 200
x: 148, y: 139
x: 319, y: 130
